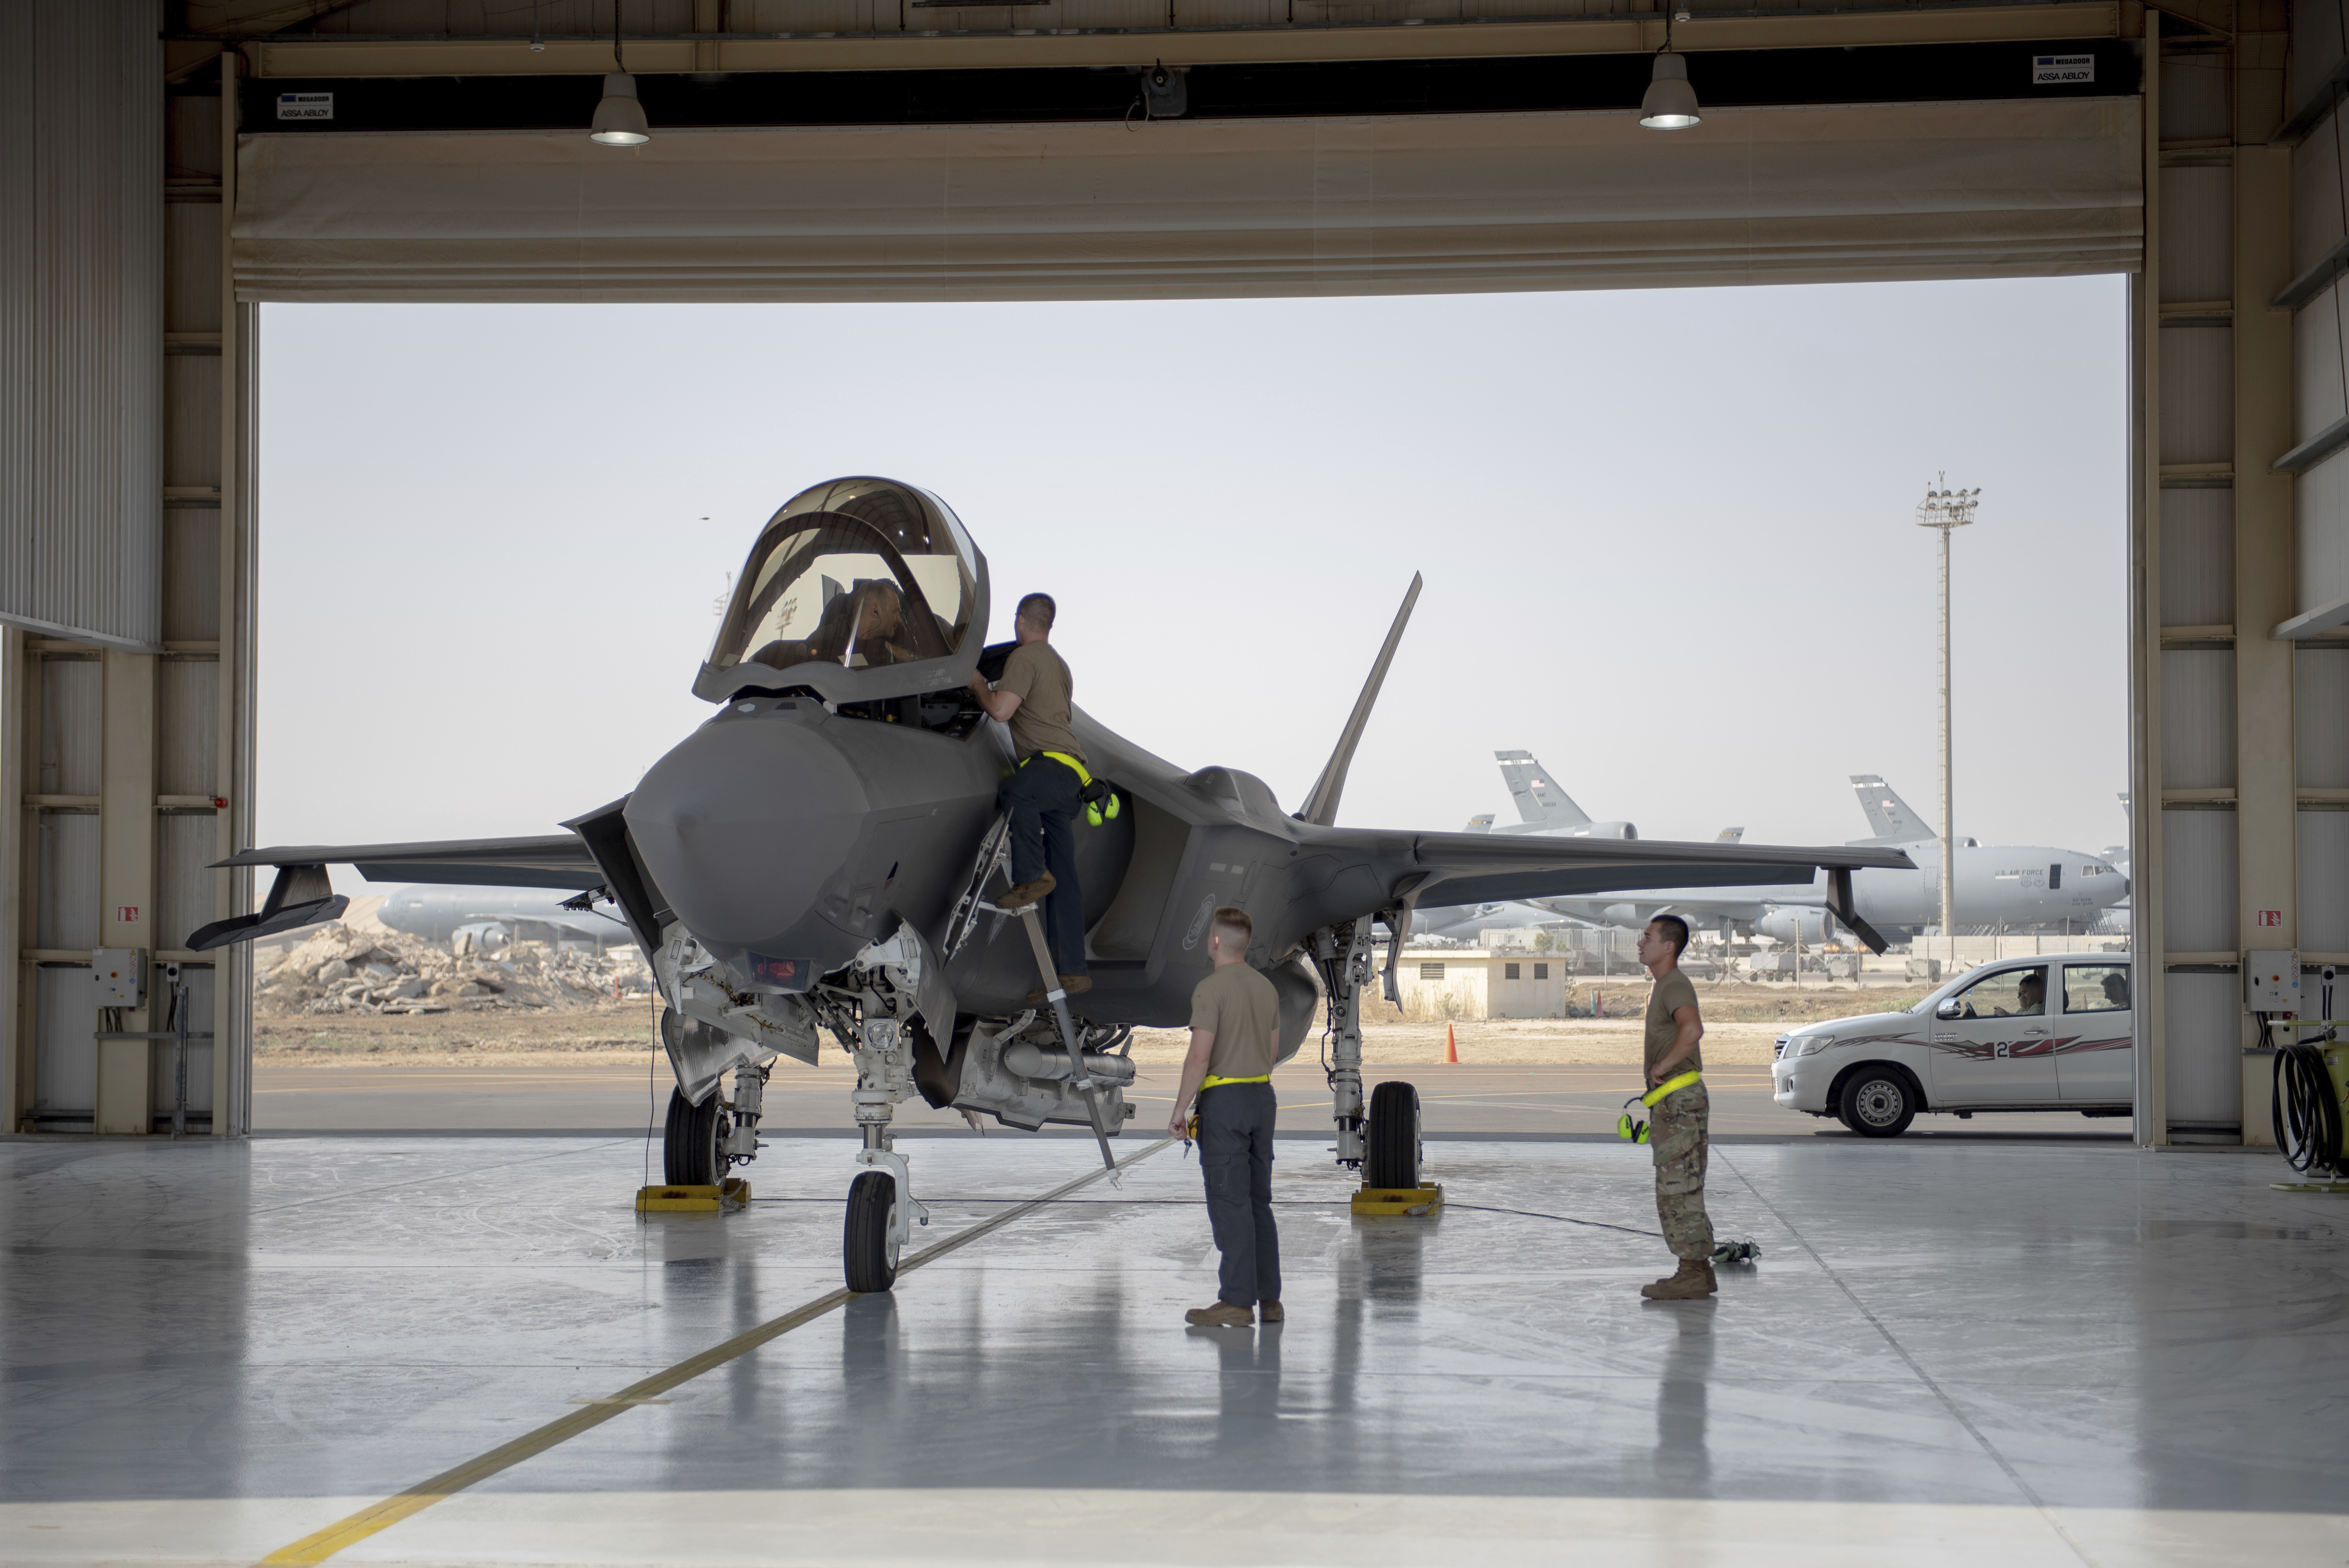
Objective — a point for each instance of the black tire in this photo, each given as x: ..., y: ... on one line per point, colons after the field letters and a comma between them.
x: 1878, y: 1102
x: 871, y: 1262
x: 689, y: 1156
x: 1390, y: 1137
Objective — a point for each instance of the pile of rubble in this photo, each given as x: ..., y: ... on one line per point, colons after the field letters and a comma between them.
x: 339, y: 970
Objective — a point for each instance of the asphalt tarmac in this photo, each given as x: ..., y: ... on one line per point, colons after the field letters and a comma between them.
x: 1456, y: 1102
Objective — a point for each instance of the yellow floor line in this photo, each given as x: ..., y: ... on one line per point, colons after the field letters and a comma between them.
x: 380, y: 1516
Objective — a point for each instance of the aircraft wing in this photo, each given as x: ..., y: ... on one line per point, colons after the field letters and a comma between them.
x: 303, y: 895
x: 551, y: 860
x: 1477, y: 868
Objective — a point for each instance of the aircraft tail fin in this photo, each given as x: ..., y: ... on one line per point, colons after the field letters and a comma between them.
x: 1321, y: 804
x: 1887, y: 813
x: 1539, y: 800
x: 1731, y: 836
x: 1482, y: 822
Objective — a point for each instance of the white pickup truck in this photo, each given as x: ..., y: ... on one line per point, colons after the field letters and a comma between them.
x: 2052, y: 1032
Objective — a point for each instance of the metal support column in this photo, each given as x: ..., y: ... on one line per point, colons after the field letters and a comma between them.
x: 2266, y: 769
x: 2145, y: 629
x: 126, y: 878
x: 231, y: 1019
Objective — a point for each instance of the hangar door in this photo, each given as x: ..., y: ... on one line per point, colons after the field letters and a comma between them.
x: 1191, y: 209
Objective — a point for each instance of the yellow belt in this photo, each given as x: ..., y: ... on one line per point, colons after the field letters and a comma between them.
x: 1212, y: 1082
x: 1067, y: 760
x: 1672, y: 1085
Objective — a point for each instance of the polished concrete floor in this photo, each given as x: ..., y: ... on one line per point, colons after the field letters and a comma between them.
x: 1482, y: 1100
x: 1949, y: 1353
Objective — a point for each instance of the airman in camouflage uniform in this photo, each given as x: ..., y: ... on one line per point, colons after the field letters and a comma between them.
x: 1678, y: 1139
x: 1677, y: 1129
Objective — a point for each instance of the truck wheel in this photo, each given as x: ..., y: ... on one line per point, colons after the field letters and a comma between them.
x: 689, y: 1156
x: 870, y: 1257
x: 1390, y: 1137
x: 1878, y: 1102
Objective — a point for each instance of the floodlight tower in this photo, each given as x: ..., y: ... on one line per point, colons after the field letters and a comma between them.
x: 1947, y: 509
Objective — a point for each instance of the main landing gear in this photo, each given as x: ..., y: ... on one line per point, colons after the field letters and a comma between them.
x: 1382, y: 1142
x: 700, y: 1143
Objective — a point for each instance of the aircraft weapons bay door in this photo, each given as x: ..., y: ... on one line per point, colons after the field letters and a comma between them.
x: 1999, y: 1050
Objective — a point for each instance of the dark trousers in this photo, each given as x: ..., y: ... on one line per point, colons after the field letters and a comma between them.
x: 1042, y: 799
x: 1236, y: 1157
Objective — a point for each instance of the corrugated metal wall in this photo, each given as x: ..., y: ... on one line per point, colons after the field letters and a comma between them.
x: 2198, y: 558
x: 81, y: 297
x: 65, y: 1064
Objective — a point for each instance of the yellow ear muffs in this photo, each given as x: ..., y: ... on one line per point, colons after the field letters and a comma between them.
x: 1637, y: 1131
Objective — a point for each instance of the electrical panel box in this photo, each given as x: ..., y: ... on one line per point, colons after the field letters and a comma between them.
x: 121, y: 975
x: 2271, y: 981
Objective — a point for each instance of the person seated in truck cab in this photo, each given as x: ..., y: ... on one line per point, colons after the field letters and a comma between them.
x: 2031, y: 995
x: 2005, y: 993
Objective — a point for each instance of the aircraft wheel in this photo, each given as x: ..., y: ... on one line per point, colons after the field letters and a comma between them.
x: 689, y: 1156
x: 1390, y: 1137
x: 1878, y: 1102
x: 870, y: 1256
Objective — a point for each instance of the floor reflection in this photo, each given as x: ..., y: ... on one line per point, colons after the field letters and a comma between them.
x: 1683, y: 1463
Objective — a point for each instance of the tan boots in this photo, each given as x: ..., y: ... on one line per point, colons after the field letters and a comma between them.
x: 1027, y: 892
x: 1692, y: 1282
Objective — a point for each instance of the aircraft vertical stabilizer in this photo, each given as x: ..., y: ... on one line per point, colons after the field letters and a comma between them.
x: 1730, y: 836
x: 1539, y: 800
x: 1887, y: 813
x: 1321, y: 805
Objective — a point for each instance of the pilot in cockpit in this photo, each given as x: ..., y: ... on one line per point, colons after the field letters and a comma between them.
x: 860, y: 629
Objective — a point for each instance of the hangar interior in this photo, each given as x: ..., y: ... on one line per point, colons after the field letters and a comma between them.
x: 167, y: 169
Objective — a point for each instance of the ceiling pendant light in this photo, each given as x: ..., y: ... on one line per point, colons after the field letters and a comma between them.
x: 1670, y: 103
x: 620, y: 119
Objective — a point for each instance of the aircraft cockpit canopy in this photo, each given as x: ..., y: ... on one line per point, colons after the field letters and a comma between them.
x: 857, y: 589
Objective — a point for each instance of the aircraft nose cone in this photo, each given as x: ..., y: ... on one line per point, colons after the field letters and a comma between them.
x: 748, y: 826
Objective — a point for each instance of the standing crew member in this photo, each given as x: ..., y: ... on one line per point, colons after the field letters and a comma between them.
x: 1235, y: 1034
x: 1042, y: 794
x: 1677, y: 1134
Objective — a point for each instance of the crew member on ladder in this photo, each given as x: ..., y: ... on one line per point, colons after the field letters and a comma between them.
x: 1677, y: 1135
x: 1044, y: 793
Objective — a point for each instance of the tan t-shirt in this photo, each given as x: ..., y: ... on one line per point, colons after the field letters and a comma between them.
x: 1040, y: 679
x: 1241, y: 1009
x: 1667, y: 996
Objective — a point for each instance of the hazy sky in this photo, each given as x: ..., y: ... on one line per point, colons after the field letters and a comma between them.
x: 1669, y: 540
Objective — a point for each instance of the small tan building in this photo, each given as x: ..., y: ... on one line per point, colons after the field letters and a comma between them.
x: 1441, y: 985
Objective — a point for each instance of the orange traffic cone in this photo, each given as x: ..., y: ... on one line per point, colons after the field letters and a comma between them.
x: 1451, y: 1048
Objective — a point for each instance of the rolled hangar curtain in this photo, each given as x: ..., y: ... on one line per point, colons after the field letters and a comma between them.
x: 1431, y: 204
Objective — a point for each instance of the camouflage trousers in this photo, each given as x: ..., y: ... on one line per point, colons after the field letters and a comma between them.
x: 1677, y: 1137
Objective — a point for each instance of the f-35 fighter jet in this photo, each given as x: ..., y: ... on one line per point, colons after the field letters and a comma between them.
x: 820, y: 856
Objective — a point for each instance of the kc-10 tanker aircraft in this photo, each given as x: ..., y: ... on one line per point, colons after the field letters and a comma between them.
x: 816, y: 858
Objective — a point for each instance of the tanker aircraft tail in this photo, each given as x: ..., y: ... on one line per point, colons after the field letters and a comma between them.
x: 1539, y: 800
x: 1888, y: 814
